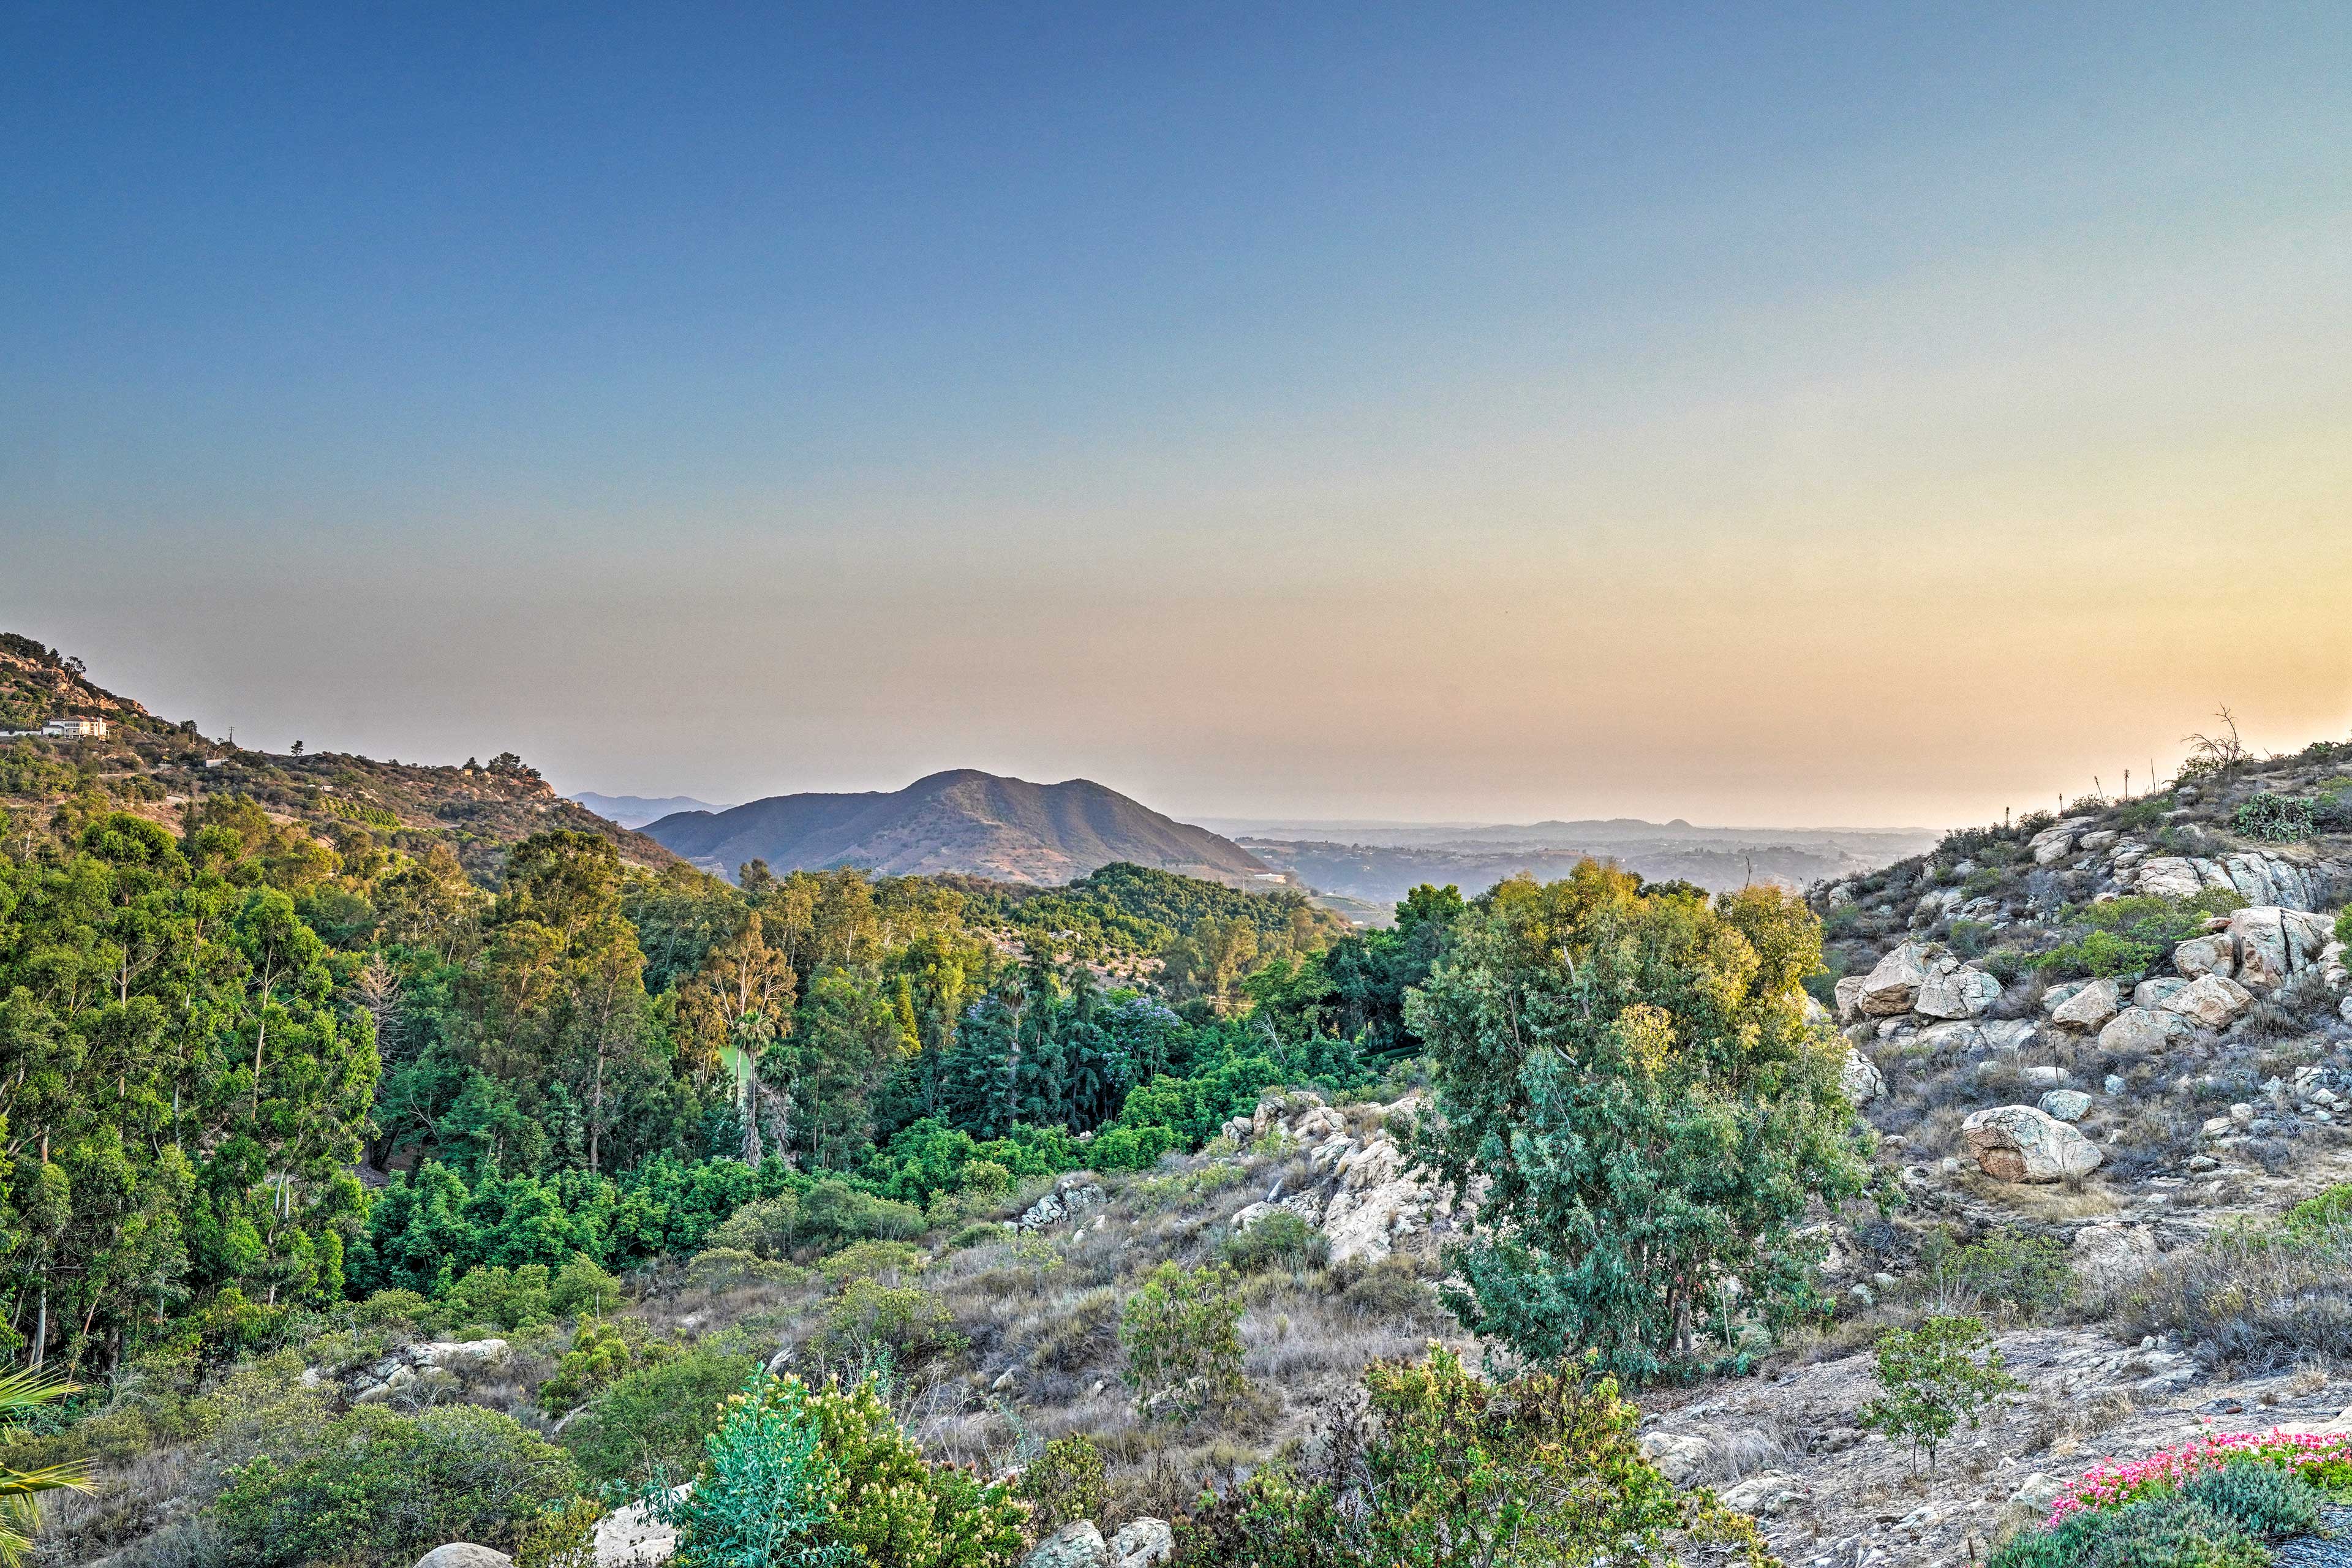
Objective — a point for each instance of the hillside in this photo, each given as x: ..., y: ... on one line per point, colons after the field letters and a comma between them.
x: 962, y: 822
x: 153, y: 768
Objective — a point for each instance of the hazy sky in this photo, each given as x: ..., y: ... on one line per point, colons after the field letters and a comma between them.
x: 1767, y: 413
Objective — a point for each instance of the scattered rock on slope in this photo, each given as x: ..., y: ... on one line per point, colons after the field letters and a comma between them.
x: 2020, y: 1143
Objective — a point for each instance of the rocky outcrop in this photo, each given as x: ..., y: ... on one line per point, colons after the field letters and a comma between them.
x: 631, y: 1537
x: 1073, y: 1195
x: 465, y: 1554
x: 1763, y: 1496
x: 2056, y: 842
x: 1077, y: 1544
x: 2262, y: 880
x: 1364, y: 1199
x: 1142, y: 1543
x: 1892, y: 984
x: 1678, y: 1456
x: 2064, y: 1105
x: 2205, y: 955
x: 2274, y: 944
x: 412, y: 1365
x: 2140, y: 1030
x: 1859, y: 1080
x: 1961, y: 993
x: 2020, y: 1143
x: 2089, y: 1008
x: 2211, y: 1000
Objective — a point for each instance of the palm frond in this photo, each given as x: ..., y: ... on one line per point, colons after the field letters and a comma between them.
x: 26, y: 1389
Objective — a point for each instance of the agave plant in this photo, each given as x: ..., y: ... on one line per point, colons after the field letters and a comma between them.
x: 20, y: 1490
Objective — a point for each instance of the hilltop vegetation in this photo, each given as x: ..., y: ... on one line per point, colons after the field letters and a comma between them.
x: 356, y: 807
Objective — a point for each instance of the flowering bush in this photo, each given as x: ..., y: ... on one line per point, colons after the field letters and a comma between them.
x: 2323, y: 1460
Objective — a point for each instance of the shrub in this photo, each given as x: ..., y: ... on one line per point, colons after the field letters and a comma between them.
x: 599, y: 1355
x: 1182, y: 1332
x: 2275, y: 817
x: 580, y: 1288
x: 390, y: 1309
x: 2168, y: 1532
x: 2028, y: 1275
x: 891, y: 1509
x: 2322, y: 1212
x: 2101, y: 953
x: 1932, y: 1378
x: 2321, y: 1461
x: 794, y: 1478
x: 1972, y: 939
x: 869, y: 1319
x: 759, y: 1498
x: 2250, y: 1300
x: 834, y: 1214
x: 2261, y: 1498
x: 725, y: 1269
x: 1064, y: 1483
x: 654, y: 1418
x: 763, y: 1228
x: 563, y: 1536
x: 375, y: 1488
x: 1279, y: 1240
x: 493, y: 1297
x: 870, y: 1260
x: 1435, y: 1465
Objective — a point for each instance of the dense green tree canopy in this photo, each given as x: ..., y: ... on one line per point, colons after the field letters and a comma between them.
x: 1628, y: 1084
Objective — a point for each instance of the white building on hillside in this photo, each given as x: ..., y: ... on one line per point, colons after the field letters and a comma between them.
x: 74, y: 728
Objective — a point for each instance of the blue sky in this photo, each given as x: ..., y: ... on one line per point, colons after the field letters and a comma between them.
x: 1363, y: 411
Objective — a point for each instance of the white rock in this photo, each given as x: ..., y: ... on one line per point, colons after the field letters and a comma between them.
x: 2274, y: 944
x: 2055, y: 843
x: 1679, y: 1455
x: 2102, y: 839
x: 2173, y: 876
x: 1963, y: 994
x: 2042, y: 1074
x: 1142, y: 1543
x: 1765, y: 1495
x: 2065, y: 1105
x: 1894, y: 981
x: 2205, y: 955
x: 1859, y: 1081
x: 465, y: 1554
x: 2106, y: 1256
x: 2154, y: 994
x: 2089, y: 1008
x: 2019, y: 1143
x: 2143, y: 1029
x: 2213, y: 1000
x: 1848, y: 997
x: 631, y: 1537
x: 1077, y: 1544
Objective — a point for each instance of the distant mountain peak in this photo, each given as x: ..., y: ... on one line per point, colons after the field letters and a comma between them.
x: 960, y: 820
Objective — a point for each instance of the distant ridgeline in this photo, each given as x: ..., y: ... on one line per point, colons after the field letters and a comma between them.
x: 962, y: 822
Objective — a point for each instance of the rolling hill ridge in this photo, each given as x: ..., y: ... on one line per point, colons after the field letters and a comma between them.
x: 962, y: 821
